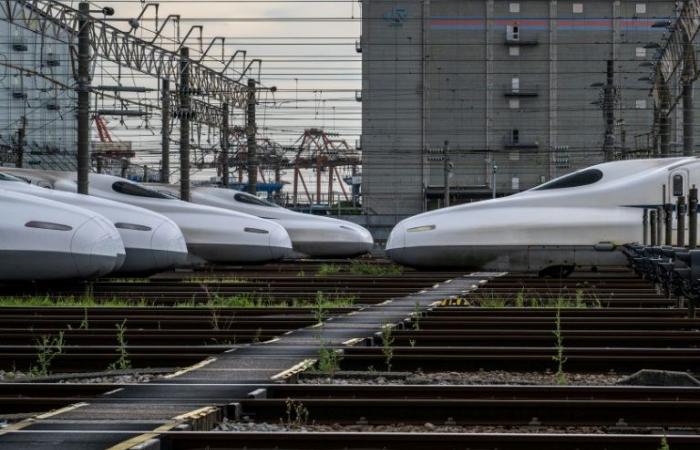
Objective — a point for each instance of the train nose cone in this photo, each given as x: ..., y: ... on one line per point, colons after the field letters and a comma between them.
x: 97, y: 248
x: 358, y: 239
x: 280, y: 242
x: 396, y: 244
x: 168, y: 246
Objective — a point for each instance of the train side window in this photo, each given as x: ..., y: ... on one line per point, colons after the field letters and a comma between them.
x: 253, y: 200
x: 8, y: 177
x: 577, y: 179
x: 138, y: 191
x: 677, y: 185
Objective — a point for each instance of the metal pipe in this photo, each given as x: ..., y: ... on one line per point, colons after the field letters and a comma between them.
x: 680, y: 221
x: 660, y: 217
x: 693, y: 217
x: 185, y: 124
x: 645, y: 226
x: 652, y: 226
x: 446, y: 173
x: 668, y: 223
x: 138, y: 89
x: 121, y: 112
x: 83, y: 89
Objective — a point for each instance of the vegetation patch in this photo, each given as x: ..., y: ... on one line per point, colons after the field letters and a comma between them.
x: 360, y: 268
x: 576, y: 299
x: 214, y: 301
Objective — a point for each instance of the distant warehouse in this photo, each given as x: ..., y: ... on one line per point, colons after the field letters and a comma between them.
x: 38, y: 126
x: 517, y: 88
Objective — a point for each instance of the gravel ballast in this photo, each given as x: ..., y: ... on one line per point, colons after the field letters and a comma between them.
x: 468, y: 378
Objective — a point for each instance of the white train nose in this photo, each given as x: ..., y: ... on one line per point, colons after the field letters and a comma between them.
x: 397, y: 237
x: 168, y: 245
x: 97, y: 248
x: 280, y: 242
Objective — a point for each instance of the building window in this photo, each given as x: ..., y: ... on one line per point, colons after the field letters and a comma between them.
x: 515, y: 183
x: 515, y: 136
x: 578, y: 8
x: 640, y: 8
x: 640, y: 52
x: 514, y: 7
x: 514, y: 103
x: 515, y: 84
x: 514, y: 50
x: 514, y: 156
x: 512, y: 32
x: 640, y: 104
x: 561, y: 157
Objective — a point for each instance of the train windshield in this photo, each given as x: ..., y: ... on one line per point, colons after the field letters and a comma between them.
x: 139, y: 191
x: 577, y: 179
x: 253, y: 200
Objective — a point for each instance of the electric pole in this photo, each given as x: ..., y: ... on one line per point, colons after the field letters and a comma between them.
x: 224, y: 144
x: 184, y: 114
x: 494, y: 169
x: 165, y: 131
x: 83, y: 89
x: 609, y: 93
x: 21, y: 133
x: 251, y: 129
x: 687, y: 78
x: 447, y: 170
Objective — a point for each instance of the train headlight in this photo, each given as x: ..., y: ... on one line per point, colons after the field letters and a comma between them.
x: 255, y: 230
x: 48, y: 226
x: 132, y: 226
x: 423, y: 228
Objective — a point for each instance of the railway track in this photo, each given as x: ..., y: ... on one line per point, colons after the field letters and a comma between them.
x: 421, y: 441
x: 276, y: 284
x: 607, y: 322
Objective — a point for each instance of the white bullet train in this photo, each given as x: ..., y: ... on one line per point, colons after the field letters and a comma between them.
x: 152, y: 241
x: 579, y: 219
x: 45, y: 240
x: 211, y: 234
x: 311, y: 235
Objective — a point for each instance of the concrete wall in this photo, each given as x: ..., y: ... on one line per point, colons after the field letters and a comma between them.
x: 438, y: 70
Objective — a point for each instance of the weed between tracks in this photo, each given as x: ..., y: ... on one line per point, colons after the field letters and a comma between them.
x: 360, y: 268
x: 559, y: 358
x: 388, y: 344
x: 213, y: 301
x: 47, y: 348
x: 215, y: 280
x: 578, y: 299
x: 124, y: 362
x: 297, y: 414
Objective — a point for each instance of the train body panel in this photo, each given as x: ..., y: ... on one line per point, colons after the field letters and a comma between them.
x: 577, y: 219
x: 212, y: 234
x: 152, y: 241
x: 315, y: 236
x: 47, y: 240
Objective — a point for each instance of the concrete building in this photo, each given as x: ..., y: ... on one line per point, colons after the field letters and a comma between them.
x: 516, y: 85
x: 37, y: 97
